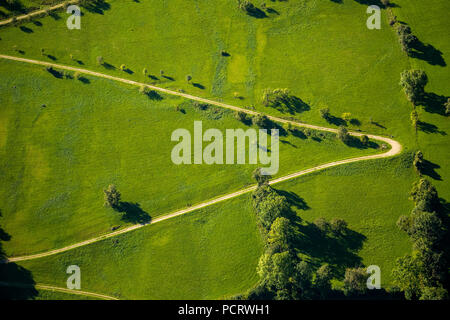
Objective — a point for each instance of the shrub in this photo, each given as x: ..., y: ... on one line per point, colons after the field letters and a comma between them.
x: 246, y: 5
x: 76, y: 76
x: 112, y: 196
x: 347, y: 116
x: 325, y: 113
x: 100, y: 60
x: 364, y: 140
x: 343, y: 134
x: 322, y: 224
x: 241, y: 116
x: 261, y: 121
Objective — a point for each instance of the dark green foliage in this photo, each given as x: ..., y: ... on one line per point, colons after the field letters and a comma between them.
x: 413, y: 83
x: 425, y: 196
x: 325, y: 113
x: 260, y: 178
x: 364, y: 140
x: 343, y: 134
x: 261, y: 121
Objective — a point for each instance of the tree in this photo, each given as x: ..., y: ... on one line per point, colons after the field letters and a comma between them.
x: 322, y: 281
x: 425, y: 196
x: 246, y: 5
x: 241, y: 116
x: 406, y: 274
x: 281, y: 234
x: 123, y: 67
x: 42, y: 51
x: 188, y: 78
x: 261, y: 121
x: 144, y: 89
x: 364, y: 140
x: 76, y: 75
x: 260, y: 178
x: 112, y: 196
x: 325, y: 113
x: 414, y: 119
x: 347, y: 116
x: 426, y: 229
x: 275, y: 98
x: 343, y: 134
x: 100, y: 60
x: 322, y: 224
x: 269, y: 205
x: 413, y: 83
x: 418, y: 162
x: 338, y: 226
x: 145, y: 72
x: 276, y: 270
x: 434, y: 293
x: 161, y: 72
x: 355, y: 281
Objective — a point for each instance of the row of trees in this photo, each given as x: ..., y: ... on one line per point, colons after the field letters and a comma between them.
x: 406, y: 38
x: 283, y: 274
x: 423, y: 274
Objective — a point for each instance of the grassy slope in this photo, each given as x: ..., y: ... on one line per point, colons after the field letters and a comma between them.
x: 57, y: 159
x: 428, y: 20
x: 203, y: 255
x: 367, y: 86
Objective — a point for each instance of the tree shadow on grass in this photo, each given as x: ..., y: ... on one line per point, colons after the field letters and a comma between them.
x: 198, y: 85
x: 428, y: 53
x: 108, y: 66
x: 97, y: 6
x: 429, y: 128
x: 16, y: 282
x: 293, y: 199
x: 337, y: 121
x: 256, y: 13
x: 133, y: 213
x: 153, y: 95
x: 57, y: 74
x: 339, y: 251
x: 429, y: 169
x: 355, y: 142
x: 26, y: 29
x: 434, y: 103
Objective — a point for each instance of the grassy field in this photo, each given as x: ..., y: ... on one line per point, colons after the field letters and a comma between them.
x: 105, y: 133
x: 203, y: 255
x: 57, y: 159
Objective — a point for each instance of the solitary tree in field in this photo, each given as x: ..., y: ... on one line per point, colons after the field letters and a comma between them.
x: 188, y: 78
x: 123, y: 67
x: 144, y: 72
x: 161, y: 72
x: 112, y: 196
x: 42, y: 51
x: 100, y: 60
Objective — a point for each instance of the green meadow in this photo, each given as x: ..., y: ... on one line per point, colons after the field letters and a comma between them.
x: 62, y: 141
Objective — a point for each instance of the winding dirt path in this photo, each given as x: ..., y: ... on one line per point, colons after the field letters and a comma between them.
x: 396, y: 148
x: 57, y: 289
